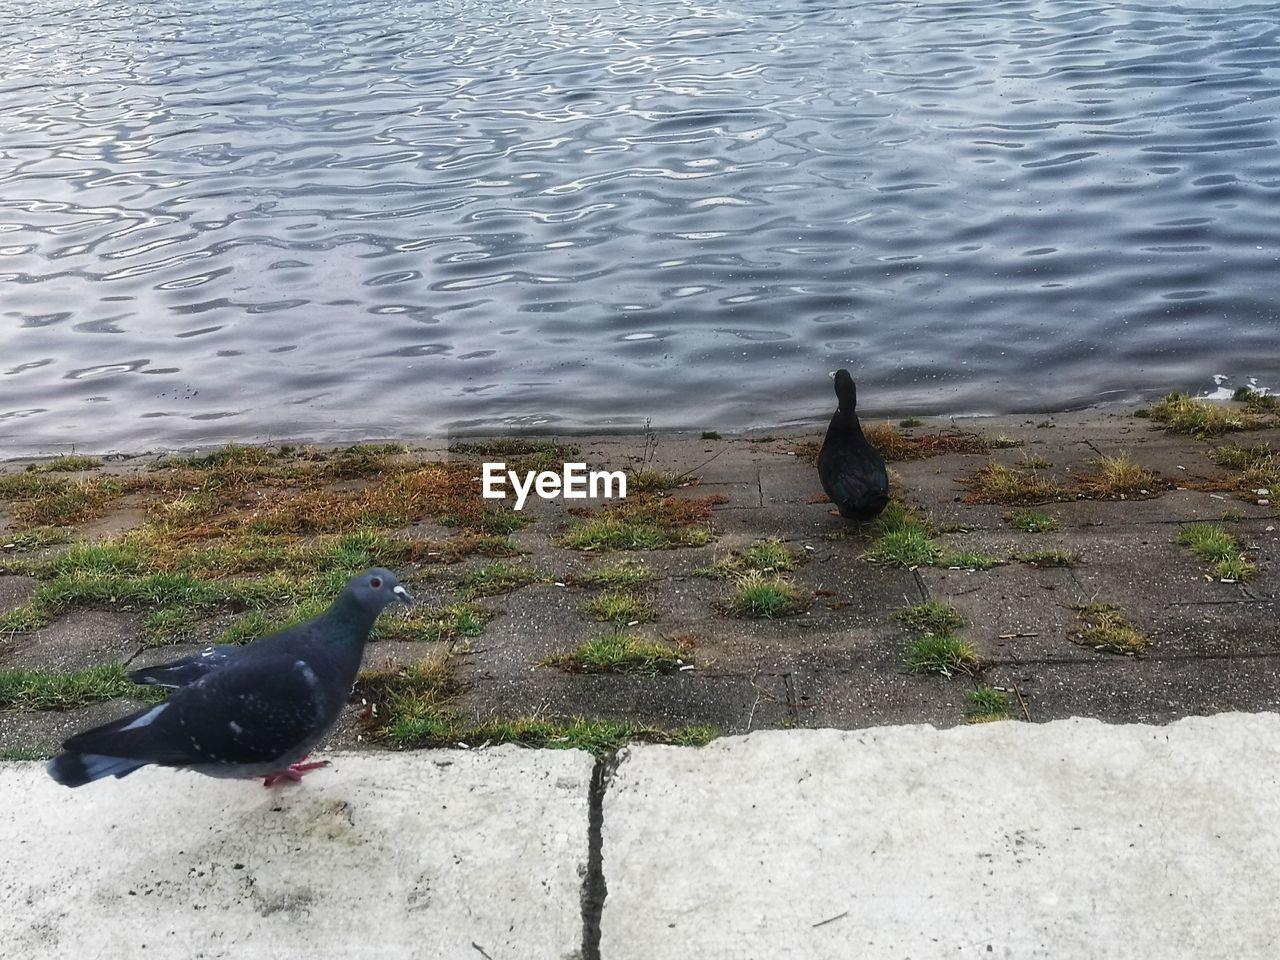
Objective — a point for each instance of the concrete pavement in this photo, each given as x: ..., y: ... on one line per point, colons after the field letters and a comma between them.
x: 1070, y: 839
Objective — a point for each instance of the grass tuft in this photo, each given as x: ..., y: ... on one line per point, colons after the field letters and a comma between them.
x: 1031, y: 521
x: 987, y: 704
x: 943, y: 654
x: 42, y: 689
x: 997, y: 483
x: 623, y: 653
x: 495, y: 578
x: 620, y: 606
x: 764, y: 556
x: 759, y: 595
x: 67, y: 463
x: 1201, y: 418
x: 1103, y: 627
x: 932, y: 616
x: 1120, y: 478
x: 1217, y: 546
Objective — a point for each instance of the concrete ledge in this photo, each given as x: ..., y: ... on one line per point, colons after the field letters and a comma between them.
x: 433, y: 855
x: 1065, y: 840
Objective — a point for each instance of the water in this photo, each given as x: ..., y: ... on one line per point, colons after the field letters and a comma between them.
x: 282, y: 219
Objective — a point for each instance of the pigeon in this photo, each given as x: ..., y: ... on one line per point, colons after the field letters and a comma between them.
x: 851, y: 471
x: 252, y: 711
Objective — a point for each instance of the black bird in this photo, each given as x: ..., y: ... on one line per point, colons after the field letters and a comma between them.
x: 851, y: 471
x: 253, y: 711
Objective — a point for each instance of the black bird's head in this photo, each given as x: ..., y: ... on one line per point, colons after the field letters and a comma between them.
x: 846, y: 391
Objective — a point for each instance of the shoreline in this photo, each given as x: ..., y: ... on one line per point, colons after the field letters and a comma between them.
x: 515, y: 600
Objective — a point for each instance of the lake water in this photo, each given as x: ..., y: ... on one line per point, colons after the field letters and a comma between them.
x: 282, y: 219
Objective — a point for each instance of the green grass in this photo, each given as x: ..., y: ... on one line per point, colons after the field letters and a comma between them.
x: 1049, y: 558
x: 1103, y: 627
x: 495, y: 578
x: 1201, y: 418
x: 33, y: 538
x: 1238, y: 456
x: 623, y: 533
x: 758, y: 595
x: 61, y: 690
x: 967, y: 560
x: 943, y: 654
x: 169, y: 625
x: 1031, y: 461
x: 987, y: 704
x: 1217, y: 546
x: 618, y: 576
x: 645, y: 524
x: 764, y: 556
x: 620, y: 606
x: 623, y: 653
x: 908, y: 547
x: 1118, y: 478
x: 1031, y: 521
x: 23, y: 754
x: 410, y: 706
x: 68, y: 463
x: 997, y: 483
x: 1256, y: 402
x: 931, y: 616
x: 910, y: 422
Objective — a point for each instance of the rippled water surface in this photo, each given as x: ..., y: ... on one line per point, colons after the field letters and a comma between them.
x: 244, y: 219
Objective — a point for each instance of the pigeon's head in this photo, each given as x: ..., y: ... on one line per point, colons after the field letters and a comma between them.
x: 377, y: 589
x: 845, y: 390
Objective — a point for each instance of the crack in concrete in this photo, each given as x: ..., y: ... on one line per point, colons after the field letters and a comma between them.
x: 594, y: 887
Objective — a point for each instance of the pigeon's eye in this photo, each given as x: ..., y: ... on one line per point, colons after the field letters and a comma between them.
x: 376, y: 582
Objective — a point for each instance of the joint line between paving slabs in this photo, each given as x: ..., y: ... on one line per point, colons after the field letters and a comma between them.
x: 594, y: 887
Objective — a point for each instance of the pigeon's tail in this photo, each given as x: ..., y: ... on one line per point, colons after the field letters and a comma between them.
x: 77, y: 769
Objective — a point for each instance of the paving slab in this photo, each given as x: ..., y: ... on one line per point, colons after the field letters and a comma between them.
x: 1065, y: 840
x: 392, y: 855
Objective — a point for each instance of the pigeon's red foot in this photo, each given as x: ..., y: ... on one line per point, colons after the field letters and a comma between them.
x: 294, y: 773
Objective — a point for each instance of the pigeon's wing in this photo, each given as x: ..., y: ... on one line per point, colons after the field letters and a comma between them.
x: 252, y: 711
x: 188, y: 670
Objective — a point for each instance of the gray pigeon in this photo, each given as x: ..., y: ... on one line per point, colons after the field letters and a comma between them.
x: 253, y: 711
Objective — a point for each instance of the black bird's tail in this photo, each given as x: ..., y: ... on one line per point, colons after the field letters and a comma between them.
x: 77, y: 769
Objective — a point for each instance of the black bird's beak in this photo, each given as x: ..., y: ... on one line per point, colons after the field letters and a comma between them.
x: 405, y: 596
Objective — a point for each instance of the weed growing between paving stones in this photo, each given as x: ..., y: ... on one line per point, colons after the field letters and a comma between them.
x: 759, y: 595
x: 1031, y: 521
x: 1256, y: 402
x: 931, y: 616
x: 1201, y: 418
x: 1120, y: 478
x: 987, y: 704
x: 620, y: 606
x: 943, y: 654
x: 67, y: 463
x: 24, y: 753
x: 1048, y: 558
x: 33, y: 538
x: 1217, y: 546
x: 643, y: 524
x: 624, y: 653
x: 254, y: 528
x: 910, y: 422
x: 628, y: 574
x: 1032, y: 462
x: 997, y: 483
x: 410, y: 706
x: 43, y: 689
x: 769, y: 555
x: 1103, y: 627
x: 496, y: 578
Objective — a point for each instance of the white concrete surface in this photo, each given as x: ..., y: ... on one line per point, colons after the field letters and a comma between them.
x: 1065, y: 840
x: 434, y: 855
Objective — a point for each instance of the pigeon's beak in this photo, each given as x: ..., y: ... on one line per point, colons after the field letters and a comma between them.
x: 405, y: 596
